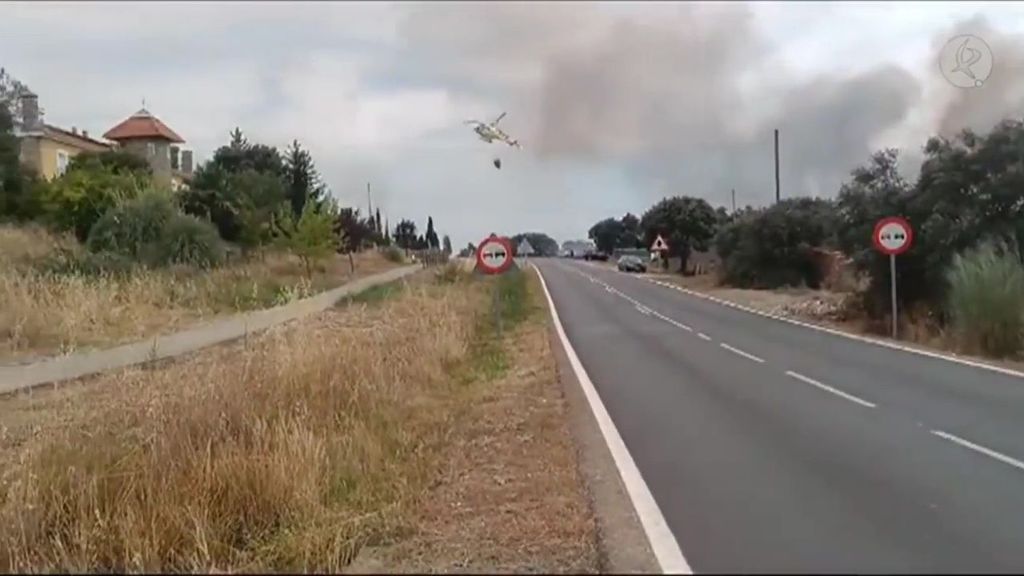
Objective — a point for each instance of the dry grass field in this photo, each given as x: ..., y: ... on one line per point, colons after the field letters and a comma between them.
x: 43, y: 312
x: 360, y: 427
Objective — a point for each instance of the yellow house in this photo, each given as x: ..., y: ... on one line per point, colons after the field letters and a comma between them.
x: 47, y: 149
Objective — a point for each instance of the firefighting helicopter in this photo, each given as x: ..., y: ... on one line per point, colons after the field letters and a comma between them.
x: 490, y: 132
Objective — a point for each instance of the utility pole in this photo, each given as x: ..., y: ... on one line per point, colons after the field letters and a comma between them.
x: 776, y: 165
x: 733, y: 200
x: 369, y: 204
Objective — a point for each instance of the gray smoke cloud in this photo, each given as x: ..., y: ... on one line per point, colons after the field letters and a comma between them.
x: 1000, y: 96
x: 687, y: 96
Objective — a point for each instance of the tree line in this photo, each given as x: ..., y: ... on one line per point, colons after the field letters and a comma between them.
x: 969, y: 193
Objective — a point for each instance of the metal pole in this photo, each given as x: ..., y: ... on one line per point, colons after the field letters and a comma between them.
x: 369, y: 204
x: 776, y: 165
x: 892, y: 276
x: 733, y: 200
x: 497, y: 305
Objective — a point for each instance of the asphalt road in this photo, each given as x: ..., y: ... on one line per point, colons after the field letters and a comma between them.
x: 771, y: 447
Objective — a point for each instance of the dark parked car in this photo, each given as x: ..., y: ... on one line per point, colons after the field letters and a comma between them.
x: 632, y: 264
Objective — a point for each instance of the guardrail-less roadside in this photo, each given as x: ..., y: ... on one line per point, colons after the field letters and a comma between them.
x: 56, y: 369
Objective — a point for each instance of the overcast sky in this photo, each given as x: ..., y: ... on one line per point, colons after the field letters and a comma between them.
x: 617, y: 104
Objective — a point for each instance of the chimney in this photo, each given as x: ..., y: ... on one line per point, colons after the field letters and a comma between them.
x: 85, y: 133
x: 186, y: 161
x: 174, y: 158
x: 29, y: 111
x: 74, y: 131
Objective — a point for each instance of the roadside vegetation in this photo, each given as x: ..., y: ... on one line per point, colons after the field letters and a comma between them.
x: 102, y: 254
x: 986, y: 300
x: 954, y: 293
x: 296, y: 449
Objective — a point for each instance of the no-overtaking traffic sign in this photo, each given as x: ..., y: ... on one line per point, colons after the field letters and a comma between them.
x: 892, y: 235
x: 494, y: 255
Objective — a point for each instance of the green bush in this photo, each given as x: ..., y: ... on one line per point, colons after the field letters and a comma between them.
x: 128, y: 228
x: 394, y: 254
x: 986, y: 300
x: 78, y: 199
x: 188, y: 240
x: 774, y: 246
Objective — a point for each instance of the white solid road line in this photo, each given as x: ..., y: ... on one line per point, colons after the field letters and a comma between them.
x: 704, y: 336
x: 741, y: 353
x: 990, y: 453
x: 826, y: 388
x: 946, y: 356
x: 663, y: 542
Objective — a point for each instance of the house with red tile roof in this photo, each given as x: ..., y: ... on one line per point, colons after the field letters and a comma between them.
x: 48, y: 150
x: 147, y: 136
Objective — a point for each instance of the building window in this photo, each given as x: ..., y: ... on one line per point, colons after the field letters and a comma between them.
x: 62, y: 162
x: 150, y: 150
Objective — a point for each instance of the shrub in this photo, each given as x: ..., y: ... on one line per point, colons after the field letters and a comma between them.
x: 77, y: 200
x: 774, y: 247
x: 986, y: 300
x: 188, y: 240
x: 129, y: 227
x: 394, y: 254
x: 312, y: 238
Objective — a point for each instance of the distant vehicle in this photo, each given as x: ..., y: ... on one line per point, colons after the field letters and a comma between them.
x: 631, y: 264
x: 601, y: 256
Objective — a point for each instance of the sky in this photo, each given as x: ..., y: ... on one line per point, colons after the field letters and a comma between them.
x: 617, y: 104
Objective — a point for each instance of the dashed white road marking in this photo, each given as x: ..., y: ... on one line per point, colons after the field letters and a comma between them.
x: 643, y: 309
x: 679, y: 325
x: 704, y: 336
x: 827, y: 388
x: 987, y: 452
x: 670, y: 321
x: 746, y: 355
x: 663, y: 542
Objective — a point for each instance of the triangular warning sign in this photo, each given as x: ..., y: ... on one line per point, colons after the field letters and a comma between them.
x: 659, y: 244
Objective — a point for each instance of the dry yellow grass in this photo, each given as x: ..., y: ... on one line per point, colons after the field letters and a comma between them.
x: 45, y: 313
x: 286, y: 452
x: 510, y: 498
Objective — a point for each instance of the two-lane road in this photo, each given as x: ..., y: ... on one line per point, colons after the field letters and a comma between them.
x: 770, y: 447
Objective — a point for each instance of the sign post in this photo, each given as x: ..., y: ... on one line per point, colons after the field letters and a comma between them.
x: 892, y: 236
x: 493, y: 257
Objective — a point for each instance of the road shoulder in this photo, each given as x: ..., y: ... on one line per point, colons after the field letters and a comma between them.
x: 622, y: 544
x: 509, y: 497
